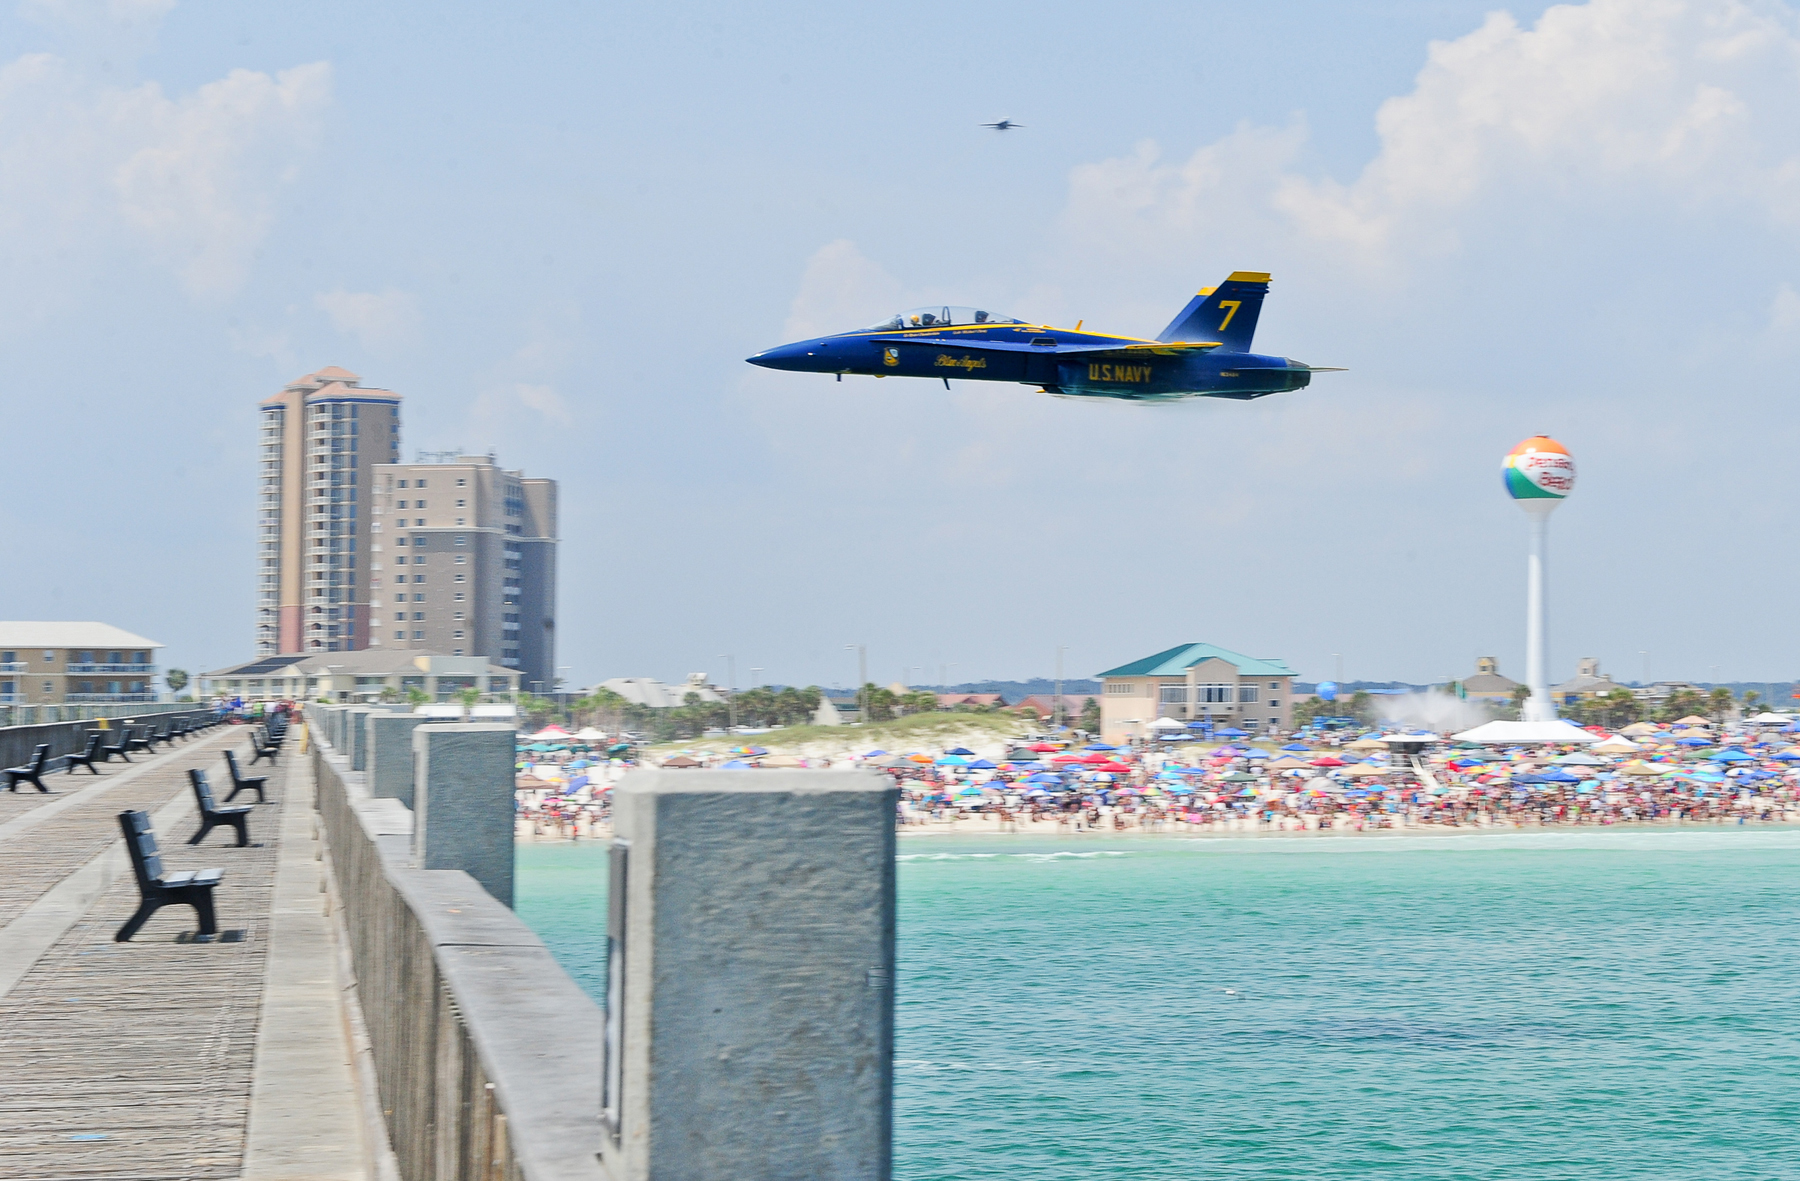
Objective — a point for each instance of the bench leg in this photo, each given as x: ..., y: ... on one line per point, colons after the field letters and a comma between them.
x: 206, y: 826
x: 241, y: 823
x: 136, y: 922
x: 40, y: 784
x: 203, y: 906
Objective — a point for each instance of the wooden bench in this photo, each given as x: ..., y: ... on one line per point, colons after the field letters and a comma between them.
x: 119, y: 747
x: 212, y: 815
x: 159, y: 888
x: 86, y: 758
x: 264, y: 749
x: 243, y: 782
x: 31, y: 772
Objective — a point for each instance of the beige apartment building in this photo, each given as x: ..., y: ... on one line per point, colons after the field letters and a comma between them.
x: 1196, y: 683
x: 75, y: 664
x: 320, y: 438
x: 373, y: 675
x: 462, y: 560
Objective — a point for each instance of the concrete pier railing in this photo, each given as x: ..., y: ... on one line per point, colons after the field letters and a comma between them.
x: 37, y: 715
x: 70, y: 737
x: 487, y: 1055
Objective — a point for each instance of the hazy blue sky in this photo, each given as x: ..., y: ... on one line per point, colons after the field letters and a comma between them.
x: 558, y: 229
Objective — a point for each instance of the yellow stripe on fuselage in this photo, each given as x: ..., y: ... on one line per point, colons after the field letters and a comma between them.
x: 1140, y: 341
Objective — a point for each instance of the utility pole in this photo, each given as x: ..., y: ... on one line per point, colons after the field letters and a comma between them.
x: 1060, y: 649
x: 730, y: 692
x: 755, y: 679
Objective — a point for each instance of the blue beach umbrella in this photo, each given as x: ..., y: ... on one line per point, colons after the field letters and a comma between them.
x: 1733, y: 756
x: 736, y: 765
x: 982, y: 765
x: 1099, y: 746
x: 959, y: 750
x: 1231, y: 732
x: 1296, y: 746
x: 1693, y: 741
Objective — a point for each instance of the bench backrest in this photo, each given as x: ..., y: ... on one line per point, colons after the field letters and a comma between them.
x: 93, y: 746
x: 140, y: 842
x: 203, y: 793
x: 231, y: 761
x: 124, y: 737
x: 40, y: 756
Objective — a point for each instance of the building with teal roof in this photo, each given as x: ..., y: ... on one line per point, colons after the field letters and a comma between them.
x: 1196, y: 683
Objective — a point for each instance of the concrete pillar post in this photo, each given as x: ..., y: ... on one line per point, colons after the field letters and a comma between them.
x: 463, y: 802
x: 390, y: 755
x: 750, y: 1001
x: 355, y: 749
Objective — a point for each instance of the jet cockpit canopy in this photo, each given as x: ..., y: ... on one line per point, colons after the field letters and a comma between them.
x: 939, y: 317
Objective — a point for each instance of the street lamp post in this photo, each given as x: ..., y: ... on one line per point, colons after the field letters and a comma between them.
x: 1058, y: 713
x: 730, y: 692
x: 862, y: 679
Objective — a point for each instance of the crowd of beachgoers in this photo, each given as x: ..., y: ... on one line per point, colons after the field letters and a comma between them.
x: 1686, y: 772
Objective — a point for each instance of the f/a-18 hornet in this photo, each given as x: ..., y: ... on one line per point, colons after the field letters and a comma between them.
x: 1203, y: 353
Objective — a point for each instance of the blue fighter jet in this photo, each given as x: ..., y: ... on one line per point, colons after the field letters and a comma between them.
x: 1203, y: 353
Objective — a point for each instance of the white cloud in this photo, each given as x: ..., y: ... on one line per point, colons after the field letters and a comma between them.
x: 189, y: 181
x: 1682, y: 102
x: 545, y: 400
x: 840, y: 289
x: 379, y: 319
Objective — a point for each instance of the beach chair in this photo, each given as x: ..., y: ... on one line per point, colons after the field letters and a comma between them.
x: 212, y: 815
x: 157, y: 887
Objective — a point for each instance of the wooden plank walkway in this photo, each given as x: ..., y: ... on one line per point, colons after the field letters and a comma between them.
x: 46, y: 853
x: 135, y: 1060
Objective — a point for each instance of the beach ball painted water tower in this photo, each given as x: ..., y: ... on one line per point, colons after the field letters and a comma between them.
x: 1539, y: 475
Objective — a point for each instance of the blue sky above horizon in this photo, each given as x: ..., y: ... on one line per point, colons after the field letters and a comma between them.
x: 558, y: 229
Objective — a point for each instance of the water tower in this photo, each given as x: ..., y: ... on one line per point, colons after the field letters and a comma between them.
x: 1539, y: 474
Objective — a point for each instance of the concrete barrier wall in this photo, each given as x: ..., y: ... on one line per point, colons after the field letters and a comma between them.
x: 67, y: 738
x: 487, y: 1054
x: 38, y: 715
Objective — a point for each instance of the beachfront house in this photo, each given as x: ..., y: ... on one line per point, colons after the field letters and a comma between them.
x: 1196, y: 682
x: 1487, y: 684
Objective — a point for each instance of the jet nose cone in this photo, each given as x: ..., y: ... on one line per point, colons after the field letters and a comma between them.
x: 786, y: 356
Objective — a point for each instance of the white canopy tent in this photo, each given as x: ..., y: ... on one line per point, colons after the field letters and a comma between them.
x: 1525, y: 733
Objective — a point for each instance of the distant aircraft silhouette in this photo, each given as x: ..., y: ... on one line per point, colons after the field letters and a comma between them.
x: 1003, y: 125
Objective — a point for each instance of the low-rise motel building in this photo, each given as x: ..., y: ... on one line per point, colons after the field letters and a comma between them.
x: 374, y: 674
x: 1196, y: 683
x: 47, y: 663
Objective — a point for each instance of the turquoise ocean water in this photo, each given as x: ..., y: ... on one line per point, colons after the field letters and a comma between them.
x: 1569, y: 1005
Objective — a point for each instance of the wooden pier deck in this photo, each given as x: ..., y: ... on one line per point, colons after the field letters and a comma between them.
x: 140, y: 1060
